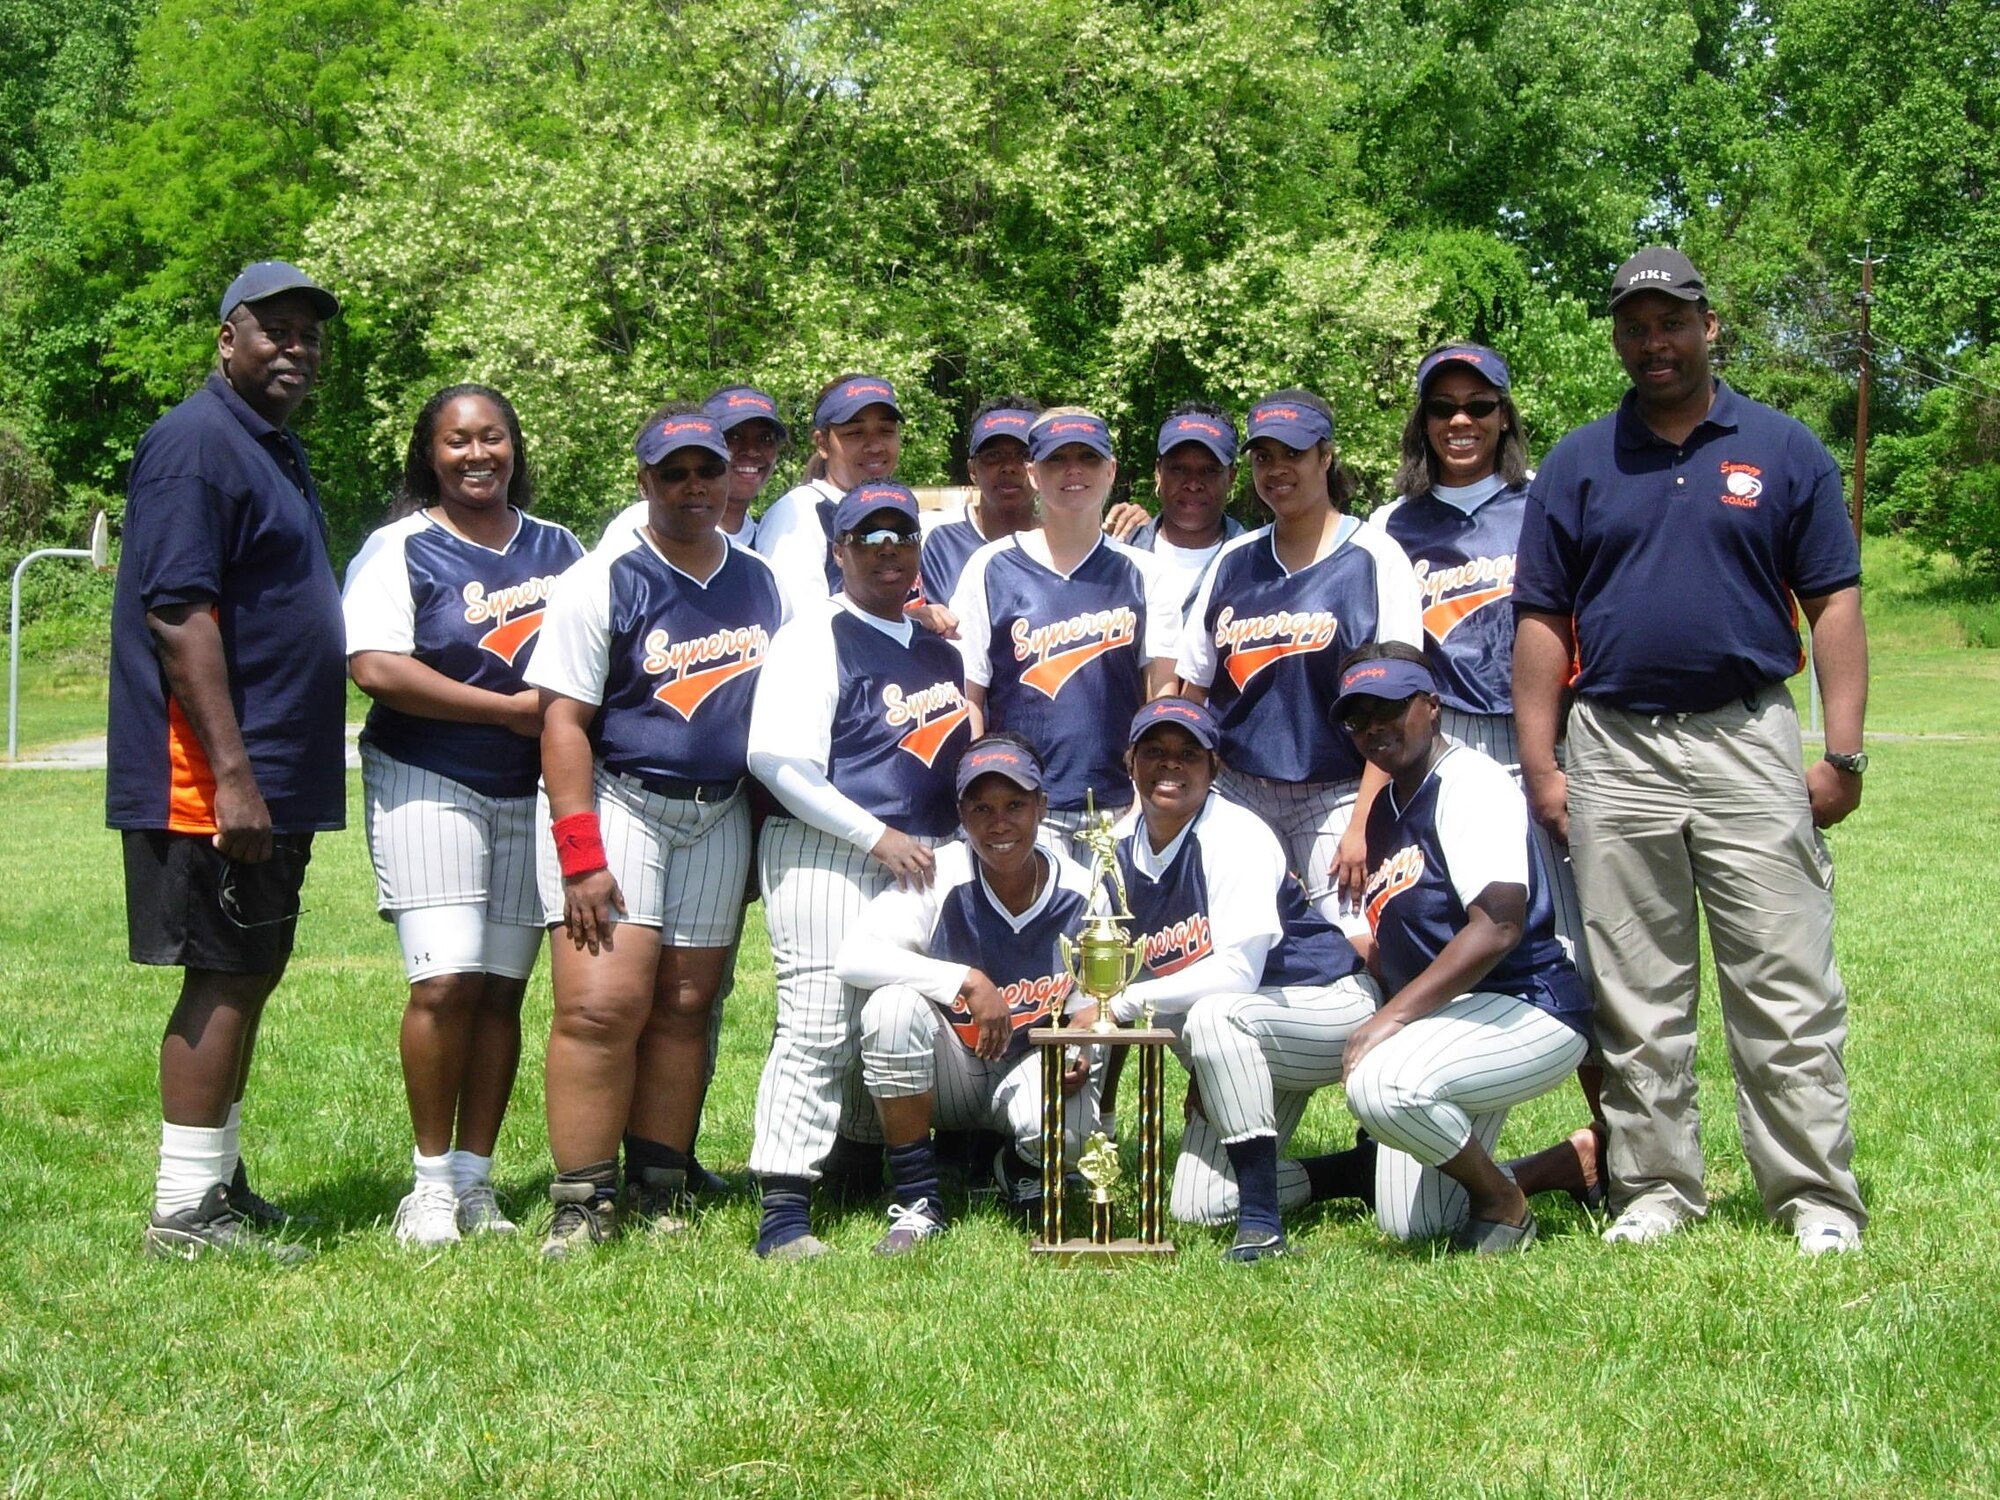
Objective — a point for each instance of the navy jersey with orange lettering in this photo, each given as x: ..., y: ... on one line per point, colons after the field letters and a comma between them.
x: 468, y: 612
x: 1266, y: 643
x: 900, y: 722
x: 671, y: 661
x: 1063, y: 657
x: 1464, y: 564
x: 1464, y: 830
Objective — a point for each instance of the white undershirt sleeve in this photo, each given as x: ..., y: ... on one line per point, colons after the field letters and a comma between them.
x: 791, y: 730
x: 975, y: 627
x: 376, y: 605
x: 1164, y: 597
x: 886, y: 946
x: 791, y: 539
x: 1482, y: 825
x: 1197, y: 660
x: 1399, y: 602
x: 573, y: 655
x: 1242, y: 875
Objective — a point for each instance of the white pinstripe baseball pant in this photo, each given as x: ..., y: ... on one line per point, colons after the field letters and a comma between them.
x: 1493, y: 735
x: 1309, y: 818
x: 1443, y: 1080
x: 906, y: 1049
x: 814, y: 887
x: 1258, y: 1059
x: 680, y: 864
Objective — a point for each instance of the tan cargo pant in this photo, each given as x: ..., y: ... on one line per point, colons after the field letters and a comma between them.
x: 1665, y: 810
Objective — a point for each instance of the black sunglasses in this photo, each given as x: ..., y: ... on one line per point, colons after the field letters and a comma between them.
x: 1371, y: 711
x: 714, y: 468
x: 1443, y: 408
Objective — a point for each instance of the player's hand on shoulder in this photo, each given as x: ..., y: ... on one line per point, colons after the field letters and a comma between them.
x: 242, y: 821
x: 1833, y: 793
x: 592, y: 904
x: 936, y: 619
x: 1548, y: 800
x: 905, y: 858
x: 1123, y: 519
x: 988, y: 1008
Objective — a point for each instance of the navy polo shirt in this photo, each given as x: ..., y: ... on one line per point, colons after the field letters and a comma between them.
x: 221, y: 510
x: 1680, y: 564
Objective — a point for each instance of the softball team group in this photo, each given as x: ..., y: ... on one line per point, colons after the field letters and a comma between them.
x: 887, y: 725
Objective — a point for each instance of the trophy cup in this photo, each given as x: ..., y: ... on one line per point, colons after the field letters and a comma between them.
x: 1102, y: 962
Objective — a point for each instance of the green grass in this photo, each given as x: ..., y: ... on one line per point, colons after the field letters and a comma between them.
x: 1717, y: 1363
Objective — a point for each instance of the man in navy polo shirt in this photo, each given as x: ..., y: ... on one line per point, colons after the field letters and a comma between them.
x: 1666, y: 545
x: 225, y: 740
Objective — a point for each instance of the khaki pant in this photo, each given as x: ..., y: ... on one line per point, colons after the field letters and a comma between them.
x: 1666, y: 809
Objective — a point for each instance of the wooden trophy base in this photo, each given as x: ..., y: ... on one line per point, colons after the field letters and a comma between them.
x: 1125, y: 1252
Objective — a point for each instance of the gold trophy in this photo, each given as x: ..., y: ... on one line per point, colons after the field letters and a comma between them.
x: 1102, y: 962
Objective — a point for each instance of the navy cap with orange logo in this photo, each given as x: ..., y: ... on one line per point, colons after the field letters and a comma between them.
x: 1196, y: 718
x: 1058, y: 429
x: 850, y: 398
x: 1004, y: 421
x: 1292, y: 423
x: 734, y: 405
x: 1387, y: 677
x: 866, y: 501
x: 688, y: 429
x: 1217, y: 436
x: 1477, y: 358
x: 998, y: 759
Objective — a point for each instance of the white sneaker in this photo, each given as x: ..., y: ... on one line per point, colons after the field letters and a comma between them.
x: 1828, y: 1237
x: 479, y: 1211
x: 1641, y: 1226
x: 427, y: 1218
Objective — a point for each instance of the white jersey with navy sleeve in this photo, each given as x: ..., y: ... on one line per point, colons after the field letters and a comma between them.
x: 1265, y: 644
x: 1464, y: 565
x: 1063, y: 657
x: 1218, y: 913
x: 796, y: 537
x: 670, y: 660
x: 1466, y: 828
x: 929, y: 937
x: 469, y: 612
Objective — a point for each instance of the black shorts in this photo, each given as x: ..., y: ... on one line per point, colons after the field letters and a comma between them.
x: 187, y: 906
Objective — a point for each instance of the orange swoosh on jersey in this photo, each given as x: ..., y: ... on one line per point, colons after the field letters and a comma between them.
x: 1446, y: 615
x: 1247, y: 663
x: 926, y: 740
x: 686, y: 693
x: 1048, y: 675
x: 1390, y: 879
x: 505, y: 641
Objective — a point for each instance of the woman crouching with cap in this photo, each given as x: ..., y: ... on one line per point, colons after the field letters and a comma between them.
x: 1263, y: 990
x: 859, y: 719
x: 957, y: 971
x: 1485, y: 1008
x: 648, y: 658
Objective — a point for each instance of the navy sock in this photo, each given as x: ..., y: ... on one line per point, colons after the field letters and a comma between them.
x: 641, y: 1153
x: 1343, y: 1174
x: 1256, y: 1164
x: 852, y: 1161
x: 913, y: 1171
x: 787, y: 1205
x: 601, y: 1175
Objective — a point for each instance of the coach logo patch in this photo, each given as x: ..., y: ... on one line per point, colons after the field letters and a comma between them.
x: 1453, y: 594
x: 1741, y: 485
x: 695, y: 668
x: 1256, y: 641
x: 934, y: 714
x: 1174, y: 948
x: 1390, y: 879
x: 1061, y: 649
x: 516, y: 611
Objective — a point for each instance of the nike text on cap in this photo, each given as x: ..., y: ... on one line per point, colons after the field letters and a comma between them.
x: 1658, y: 269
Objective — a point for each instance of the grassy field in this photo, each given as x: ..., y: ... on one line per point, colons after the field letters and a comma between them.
x: 1718, y: 1363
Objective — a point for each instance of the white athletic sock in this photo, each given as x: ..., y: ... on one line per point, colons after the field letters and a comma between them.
x: 468, y: 1170
x: 232, y: 1133
x: 193, y: 1159
x: 433, y: 1171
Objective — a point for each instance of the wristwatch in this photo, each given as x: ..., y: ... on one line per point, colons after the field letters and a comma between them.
x: 1854, y: 764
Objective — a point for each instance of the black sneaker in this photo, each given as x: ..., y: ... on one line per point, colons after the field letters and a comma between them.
x: 258, y: 1209
x: 1020, y: 1185
x: 583, y: 1221
x: 214, y: 1224
x: 1255, y: 1245
x: 658, y: 1202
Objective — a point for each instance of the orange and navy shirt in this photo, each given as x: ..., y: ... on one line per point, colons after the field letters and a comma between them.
x: 222, y: 512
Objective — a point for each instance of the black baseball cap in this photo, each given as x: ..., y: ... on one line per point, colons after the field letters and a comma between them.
x: 1658, y: 268
x: 271, y: 278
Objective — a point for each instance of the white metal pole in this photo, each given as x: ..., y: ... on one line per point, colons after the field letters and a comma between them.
x: 99, y: 555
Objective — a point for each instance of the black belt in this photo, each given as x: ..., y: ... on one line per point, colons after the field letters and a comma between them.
x: 676, y: 790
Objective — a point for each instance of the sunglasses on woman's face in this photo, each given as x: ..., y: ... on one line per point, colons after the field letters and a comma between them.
x: 714, y: 468
x: 885, y: 536
x: 1443, y: 408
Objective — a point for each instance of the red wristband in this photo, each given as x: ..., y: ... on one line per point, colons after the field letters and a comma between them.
x: 579, y: 844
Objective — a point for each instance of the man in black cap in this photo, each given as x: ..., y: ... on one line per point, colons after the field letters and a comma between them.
x: 1662, y: 550
x: 225, y: 740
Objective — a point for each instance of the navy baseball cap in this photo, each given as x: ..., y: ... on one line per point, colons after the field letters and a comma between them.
x: 1477, y: 358
x: 1385, y: 677
x: 1292, y: 423
x: 1195, y: 718
x: 1218, y: 437
x: 687, y: 429
x: 1657, y: 268
x: 850, y: 398
x: 268, y: 278
x: 1004, y: 421
x: 866, y: 501
x: 734, y: 405
x: 1052, y: 432
x: 999, y: 759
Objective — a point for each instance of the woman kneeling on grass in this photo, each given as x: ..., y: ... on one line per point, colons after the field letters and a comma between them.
x: 958, y: 971
x: 1486, y: 1010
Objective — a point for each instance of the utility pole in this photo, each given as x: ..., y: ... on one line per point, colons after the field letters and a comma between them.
x: 1867, y: 300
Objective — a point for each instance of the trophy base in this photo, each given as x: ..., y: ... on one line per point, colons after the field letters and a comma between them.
x: 1123, y: 1252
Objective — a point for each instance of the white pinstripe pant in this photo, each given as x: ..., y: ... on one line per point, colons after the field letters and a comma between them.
x: 1442, y: 1081
x: 1258, y: 1058
x: 814, y: 887
x: 906, y: 1049
x: 437, y: 842
x: 1309, y: 818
